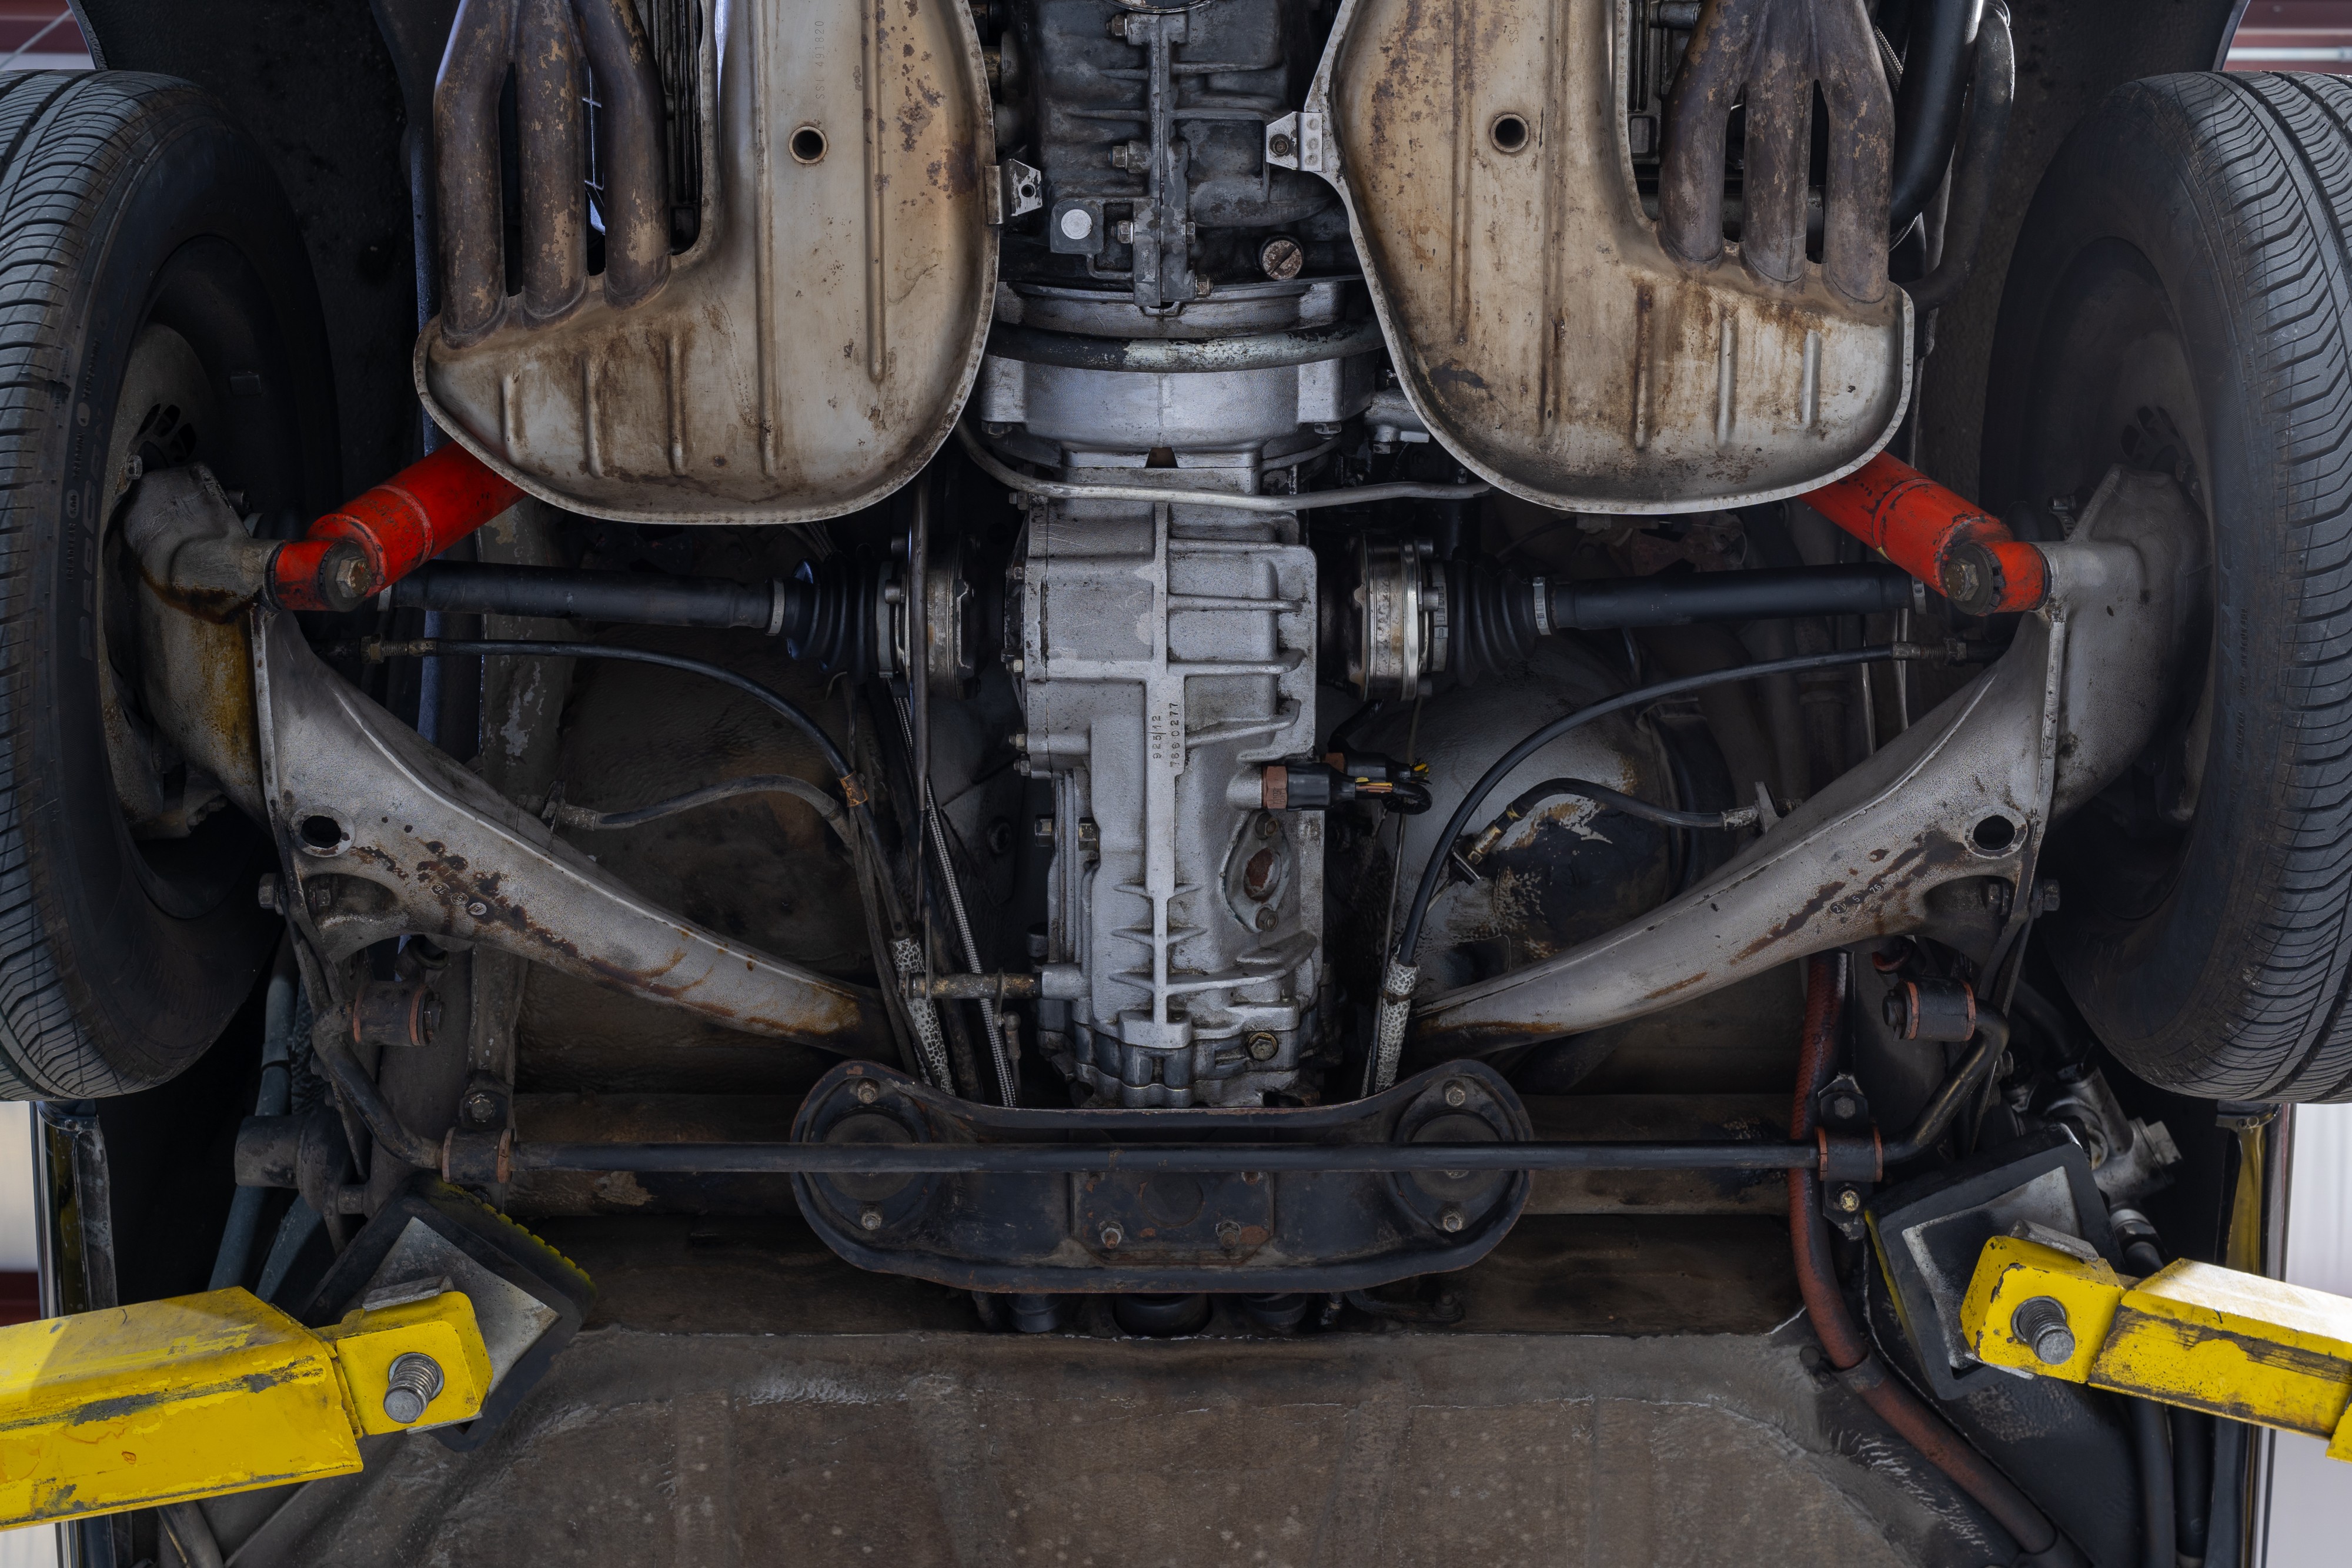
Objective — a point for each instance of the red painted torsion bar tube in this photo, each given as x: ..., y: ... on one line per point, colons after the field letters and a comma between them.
x: 1948, y: 543
x: 368, y: 544
x: 1842, y: 1338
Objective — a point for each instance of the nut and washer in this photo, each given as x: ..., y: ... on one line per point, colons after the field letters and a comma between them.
x: 1457, y: 1095
x: 1449, y: 1219
x: 1113, y: 1234
x: 869, y: 1219
x: 867, y: 1091
x: 2040, y: 1322
x: 415, y: 1381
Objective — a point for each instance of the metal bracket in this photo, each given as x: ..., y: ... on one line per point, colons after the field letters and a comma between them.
x: 1912, y: 838
x: 1295, y: 140
x: 1119, y: 1229
x: 382, y: 836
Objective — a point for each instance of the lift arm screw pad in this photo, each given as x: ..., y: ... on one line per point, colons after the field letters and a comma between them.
x: 2191, y: 1334
x: 2014, y: 1274
x: 200, y: 1396
x: 371, y: 1346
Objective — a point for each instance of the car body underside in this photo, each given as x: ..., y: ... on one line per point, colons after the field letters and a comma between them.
x: 1182, y: 778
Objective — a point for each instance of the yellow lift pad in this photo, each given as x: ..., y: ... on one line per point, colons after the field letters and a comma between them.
x: 2240, y: 1345
x: 168, y: 1401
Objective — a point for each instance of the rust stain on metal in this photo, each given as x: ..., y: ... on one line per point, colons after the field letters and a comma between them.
x: 1584, y: 363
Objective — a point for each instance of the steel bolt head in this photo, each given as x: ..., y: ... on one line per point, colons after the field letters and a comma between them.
x: 1449, y: 1219
x: 478, y: 909
x: 412, y: 1385
x: 1267, y: 919
x: 1279, y: 145
x: 1113, y: 1234
x: 1281, y: 258
x: 1264, y: 1047
x: 867, y: 1091
x: 1843, y: 1107
x: 2041, y: 1324
x: 869, y: 1219
x: 1229, y: 1232
x: 266, y: 893
x: 480, y: 1106
x: 1849, y: 1201
x: 1457, y: 1095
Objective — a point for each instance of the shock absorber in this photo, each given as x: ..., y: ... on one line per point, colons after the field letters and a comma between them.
x: 369, y: 543
x: 1949, y: 543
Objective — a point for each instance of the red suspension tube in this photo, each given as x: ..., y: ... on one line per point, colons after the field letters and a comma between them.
x: 1946, y: 542
x: 366, y: 544
x: 1842, y: 1338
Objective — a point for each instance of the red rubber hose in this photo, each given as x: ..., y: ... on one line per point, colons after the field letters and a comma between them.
x: 1842, y: 1338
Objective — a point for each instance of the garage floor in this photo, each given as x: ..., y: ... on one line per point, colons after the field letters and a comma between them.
x: 740, y: 1397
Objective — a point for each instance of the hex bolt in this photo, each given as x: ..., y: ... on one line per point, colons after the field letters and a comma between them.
x: 1263, y: 1047
x: 480, y: 1107
x: 414, y: 1380
x: 1267, y: 920
x: 1843, y: 1107
x: 1457, y: 1095
x: 1229, y: 1232
x: 1449, y: 1219
x: 869, y: 1219
x: 267, y: 894
x: 1279, y: 145
x: 2040, y: 1322
x: 1848, y: 1200
x: 867, y: 1091
x: 1112, y: 1234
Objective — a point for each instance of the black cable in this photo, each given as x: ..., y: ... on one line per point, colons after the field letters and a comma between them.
x: 1343, y: 735
x: 1616, y: 800
x: 429, y: 647
x: 801, y: 789
x: 1427, y: 894
x: 2152, y: 1448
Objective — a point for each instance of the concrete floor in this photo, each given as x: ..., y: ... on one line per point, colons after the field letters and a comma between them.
x: 741, y: 1399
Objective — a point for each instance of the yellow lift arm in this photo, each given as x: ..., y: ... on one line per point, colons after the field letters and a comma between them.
x: 192, y: 1397
x: 2240, y: 1345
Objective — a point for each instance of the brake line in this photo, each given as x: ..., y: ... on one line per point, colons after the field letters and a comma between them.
x: 1433, y: 872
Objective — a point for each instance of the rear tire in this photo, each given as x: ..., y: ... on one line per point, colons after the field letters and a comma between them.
x: 2178, y: 301
x: 133, y: 217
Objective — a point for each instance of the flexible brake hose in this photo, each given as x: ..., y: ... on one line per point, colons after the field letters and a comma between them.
x: 1434, y: 871
x: 1609, y: 799
x: 792, y: 712
x: 1842, y: 1339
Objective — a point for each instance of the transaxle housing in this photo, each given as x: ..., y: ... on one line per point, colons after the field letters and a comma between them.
x: 1166, y: 272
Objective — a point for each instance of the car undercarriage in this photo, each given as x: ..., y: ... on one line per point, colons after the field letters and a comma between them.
x: 1358, y: 782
